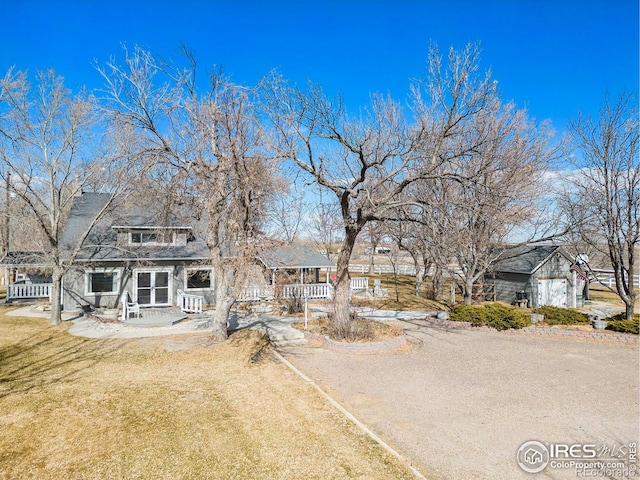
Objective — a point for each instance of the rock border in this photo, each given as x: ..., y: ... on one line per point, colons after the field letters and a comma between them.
x: 363, y: 348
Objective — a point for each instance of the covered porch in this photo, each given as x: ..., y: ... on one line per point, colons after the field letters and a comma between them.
x: 26, y: 276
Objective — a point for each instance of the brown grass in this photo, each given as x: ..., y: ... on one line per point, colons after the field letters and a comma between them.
x: 177, y: 407
x: 407, y: 299
x: 364, y: 330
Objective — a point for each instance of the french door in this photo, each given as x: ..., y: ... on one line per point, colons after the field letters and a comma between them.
x: 153, y: 288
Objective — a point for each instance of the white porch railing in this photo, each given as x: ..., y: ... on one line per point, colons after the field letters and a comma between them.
x: 312, y: 291
x: 33, y: 290
x: 360, y: 283
x: 256, y: 294
x: 190, y: 303
x: 315, y: 291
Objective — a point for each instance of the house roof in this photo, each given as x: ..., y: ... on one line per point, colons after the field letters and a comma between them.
x: 24, y: 259
x: 101, y: 243
x: 295, y: 257
x: 527, y: 258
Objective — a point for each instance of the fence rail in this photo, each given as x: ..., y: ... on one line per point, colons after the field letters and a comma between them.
x: 608, y: 278
x: 190, y: 303
x: 382, y: 269
x: 33, y: 290
x: 360, y: 283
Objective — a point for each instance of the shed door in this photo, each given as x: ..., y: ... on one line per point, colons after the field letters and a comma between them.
x: 553, y: 292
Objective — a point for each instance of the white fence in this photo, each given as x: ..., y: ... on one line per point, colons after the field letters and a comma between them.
x: 314, y: 291
x: 33, y: 290
x: 381, y: 269
x: 190, y: 303
x: 256, y: 294
x: 608, y: 278
x: 360, y: 283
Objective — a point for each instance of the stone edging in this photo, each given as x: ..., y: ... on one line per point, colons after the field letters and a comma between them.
x: 357, y: 348
x: 545, y: 331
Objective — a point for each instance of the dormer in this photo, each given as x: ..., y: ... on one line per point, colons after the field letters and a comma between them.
x: 151, y: 236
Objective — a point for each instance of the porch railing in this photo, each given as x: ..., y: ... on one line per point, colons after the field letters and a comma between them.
x: 17, y: 291
x: 360, y: 283
x: 190, y: 303
x: 312, y: 291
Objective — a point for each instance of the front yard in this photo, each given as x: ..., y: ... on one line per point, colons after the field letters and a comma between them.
x: 166, y: 408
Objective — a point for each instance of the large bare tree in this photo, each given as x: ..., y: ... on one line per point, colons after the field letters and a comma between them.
x: 603, y: 200
x: 501, y: 204
x: 51, y: 146
x: 205, y: 148
x: 367, y: 161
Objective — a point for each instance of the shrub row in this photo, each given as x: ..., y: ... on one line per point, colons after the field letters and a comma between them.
x: 494, y: 315
x: 619, y: 323
x: 562, y: 316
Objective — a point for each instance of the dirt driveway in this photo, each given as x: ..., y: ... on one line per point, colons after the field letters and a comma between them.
x: 462, y: 402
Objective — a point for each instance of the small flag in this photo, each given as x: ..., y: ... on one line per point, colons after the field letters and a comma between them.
x: 581, y: 275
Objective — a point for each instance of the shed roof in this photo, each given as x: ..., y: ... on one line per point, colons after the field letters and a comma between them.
x: 527, y: 258
x: 295, y: 256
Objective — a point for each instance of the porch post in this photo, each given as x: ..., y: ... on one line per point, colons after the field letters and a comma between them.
x: 301, y: 276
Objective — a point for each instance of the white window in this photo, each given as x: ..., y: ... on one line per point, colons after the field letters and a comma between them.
x: 199, y: 279
x: 101, y: 282
x: 145, y: 237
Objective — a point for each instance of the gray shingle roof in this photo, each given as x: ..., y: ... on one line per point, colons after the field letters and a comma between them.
x: 294, y: 257
x: 101, y: 243
x: 526, y: 259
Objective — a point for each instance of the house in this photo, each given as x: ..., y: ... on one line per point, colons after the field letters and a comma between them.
x: 136, y: 258
x: 130, y: 253
x: 536, y: 275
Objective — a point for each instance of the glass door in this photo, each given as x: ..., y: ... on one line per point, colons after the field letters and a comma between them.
x: 153, y: 288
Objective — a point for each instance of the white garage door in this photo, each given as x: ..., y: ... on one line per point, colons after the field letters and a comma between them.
x: 552, y: 292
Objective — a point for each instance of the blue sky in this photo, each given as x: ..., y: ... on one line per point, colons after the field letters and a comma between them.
x: 553, y: 57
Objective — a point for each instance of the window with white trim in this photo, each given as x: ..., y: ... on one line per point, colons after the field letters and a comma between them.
x: 102, y: 282
x: 152, y: 237
x: 199, y: 279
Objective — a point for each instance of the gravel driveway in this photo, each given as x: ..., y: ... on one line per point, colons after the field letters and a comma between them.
x: 461, y: 402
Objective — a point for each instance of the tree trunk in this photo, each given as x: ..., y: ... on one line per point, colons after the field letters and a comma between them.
x: 224, y: 302
x: 341, y: 314
x: 436, y: 282
x: 467, y: 295
x: 56, y: 306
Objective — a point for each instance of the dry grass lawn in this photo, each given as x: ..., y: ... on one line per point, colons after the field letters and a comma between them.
x: 167, y: 408
x: 407, y: 299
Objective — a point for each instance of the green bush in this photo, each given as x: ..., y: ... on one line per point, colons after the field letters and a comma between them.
x: 562, y: 316
x: 494, y: 315
x: 619, y: 323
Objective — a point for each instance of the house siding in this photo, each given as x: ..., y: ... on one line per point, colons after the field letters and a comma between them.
x: 507, y: 284
x: 74, y: 284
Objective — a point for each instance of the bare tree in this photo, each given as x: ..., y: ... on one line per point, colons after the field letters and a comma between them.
x: 502, y: 205
x: 204, y: 149
x: 50, y: 146
x: 603, y: 201
x: 286, y: 214
x: 367, y: 162
x: 325, y: 225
